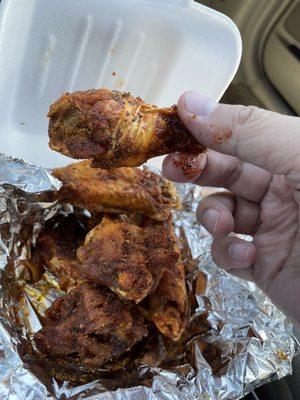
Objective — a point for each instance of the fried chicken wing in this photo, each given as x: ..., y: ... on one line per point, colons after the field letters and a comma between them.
x: 129, y: 259
x: 91, y: 326
x: 56, y: 248
x: 123, y: 189
x: 115, y: 129
x: 167, y: 305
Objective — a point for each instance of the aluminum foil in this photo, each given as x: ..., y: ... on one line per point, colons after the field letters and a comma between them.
x: 238, y: 338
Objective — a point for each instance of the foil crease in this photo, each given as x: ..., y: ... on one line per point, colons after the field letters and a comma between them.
x: 250, y: 336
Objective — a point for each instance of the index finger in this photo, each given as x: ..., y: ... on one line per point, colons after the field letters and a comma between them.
x: 263, y: 138
x: 220, y: 170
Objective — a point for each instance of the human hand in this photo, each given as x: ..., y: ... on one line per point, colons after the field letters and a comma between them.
x: 255, y: 154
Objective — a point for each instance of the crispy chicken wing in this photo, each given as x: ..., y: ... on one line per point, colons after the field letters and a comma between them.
x: 91, y: 326
x: 129, y: 259
x: 167, y: 305
x: 56, y: 248
x: 123, y: 189
x: 115, y: 129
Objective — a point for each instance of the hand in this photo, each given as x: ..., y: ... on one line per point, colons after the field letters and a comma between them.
x: 255, y: 154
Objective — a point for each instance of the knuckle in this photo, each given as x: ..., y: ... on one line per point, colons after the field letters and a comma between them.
x: 233, y: 174
x: 207, y: 202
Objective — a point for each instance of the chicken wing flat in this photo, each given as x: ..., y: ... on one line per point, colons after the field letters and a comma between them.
x: 90, y: 326
x: 115, y: 191
x: 167, y: 305
x: 129, y: 259
x: 115, y: 129
x: 56, y: 248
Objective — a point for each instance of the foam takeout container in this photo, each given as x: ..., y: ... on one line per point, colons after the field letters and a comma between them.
x: 155, y: 49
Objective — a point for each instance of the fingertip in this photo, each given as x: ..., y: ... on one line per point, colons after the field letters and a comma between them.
x: 250, y: 254
x: 218, y: 222
x: 169, y: 170
x: 233, y: 253
x: 242, y: 250
x: 226, y: 224
x: 181, y: 104
x: 183, y: 168
x: 185, y: 115
x: 195, y: 104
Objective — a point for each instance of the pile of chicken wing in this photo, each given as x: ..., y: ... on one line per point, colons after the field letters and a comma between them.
x: 118, y: 263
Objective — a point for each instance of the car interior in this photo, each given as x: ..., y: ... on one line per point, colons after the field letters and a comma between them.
x: 268, y: 77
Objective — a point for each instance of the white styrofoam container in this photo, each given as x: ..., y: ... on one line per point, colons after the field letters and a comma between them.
x: 155, y: 49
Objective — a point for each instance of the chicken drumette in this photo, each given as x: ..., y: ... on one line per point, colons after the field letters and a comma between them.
x: 115, y: 129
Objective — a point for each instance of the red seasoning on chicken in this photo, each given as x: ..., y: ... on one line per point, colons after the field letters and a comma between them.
x: 117, y: 191
x: 128, y: 259
x: 91, y: 326
x: 116, y: 129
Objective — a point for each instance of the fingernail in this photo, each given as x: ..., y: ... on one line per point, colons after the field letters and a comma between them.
x: 197, y: 104
x: 239, y: 251
x: 210, y: 219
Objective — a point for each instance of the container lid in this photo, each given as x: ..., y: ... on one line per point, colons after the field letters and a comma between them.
x: 156, y: 49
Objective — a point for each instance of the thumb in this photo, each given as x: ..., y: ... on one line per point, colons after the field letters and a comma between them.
x: 263, y: 138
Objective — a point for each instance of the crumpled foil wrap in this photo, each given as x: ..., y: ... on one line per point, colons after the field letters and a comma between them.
x: 246, y: 341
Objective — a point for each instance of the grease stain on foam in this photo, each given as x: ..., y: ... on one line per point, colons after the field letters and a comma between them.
x: 49, y: 51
